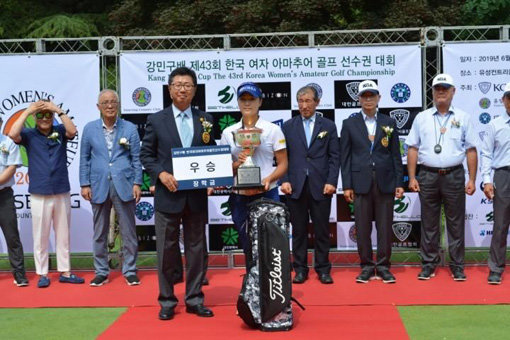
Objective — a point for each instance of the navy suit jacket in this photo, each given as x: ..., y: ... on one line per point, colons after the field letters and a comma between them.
x: 161, y: 135
x: 322, y: 158
x: 356, y: 157
x: 123, y: 166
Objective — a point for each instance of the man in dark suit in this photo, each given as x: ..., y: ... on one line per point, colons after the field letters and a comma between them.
x: 310, y: 182
x: 371, y: 175
x: 177, y: 126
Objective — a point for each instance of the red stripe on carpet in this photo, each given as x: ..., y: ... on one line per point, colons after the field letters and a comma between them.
x: 316, y: 322
x: 225, y: 286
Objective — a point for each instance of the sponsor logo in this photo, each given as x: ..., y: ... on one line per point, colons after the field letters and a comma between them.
x: 401, y: 204
x: 484, y: 86
x: 230, y: 236
x: 144, y: 211
x: 482, y: 135
x: 403, y: 147
x: 402, y: 230
x: 484, y: 118
x: 226, y: 95
x: 317, y: 88
x: 490, y: 217
x: 484, y: 103
x: 353, y: 233
x: 400, y: 93
x: 226, y: 121
x: 225, y: 209
x: 275, y: 276
x: 401, y: 116
x: 485, y: 201
x: 352, y: 89
x: 278, y: 122
x: 141, y: 96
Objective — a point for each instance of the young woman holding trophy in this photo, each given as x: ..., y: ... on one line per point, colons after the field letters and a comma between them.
x: 254, y: 143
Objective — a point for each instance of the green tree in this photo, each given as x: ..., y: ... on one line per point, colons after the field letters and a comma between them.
x: 61, y: 26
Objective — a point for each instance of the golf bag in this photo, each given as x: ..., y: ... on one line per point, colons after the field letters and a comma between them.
x: 265, y: 298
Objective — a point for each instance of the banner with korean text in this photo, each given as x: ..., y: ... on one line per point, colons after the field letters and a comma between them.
x: 335, y: 72
x: 71, y: 82
x: 480, y: 72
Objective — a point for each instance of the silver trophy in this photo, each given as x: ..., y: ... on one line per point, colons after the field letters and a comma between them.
x: 248, y: 174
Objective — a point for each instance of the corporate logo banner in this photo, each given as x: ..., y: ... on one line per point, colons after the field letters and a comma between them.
x: 480, y: 72
x: 72, y: 83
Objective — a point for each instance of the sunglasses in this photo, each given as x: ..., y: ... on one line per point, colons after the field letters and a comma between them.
x: 41, y: 115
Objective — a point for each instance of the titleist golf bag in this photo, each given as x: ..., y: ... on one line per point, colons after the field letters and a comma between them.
x: 265, y: 298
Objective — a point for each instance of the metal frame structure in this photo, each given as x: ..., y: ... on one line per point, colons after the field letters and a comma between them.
x: 430, y: 39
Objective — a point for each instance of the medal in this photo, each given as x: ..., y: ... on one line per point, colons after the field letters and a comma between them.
x: 384, y: 142
x: 437, y: 148
x: 206, y: 137
x: 442, y: 130
x: 371, y: 137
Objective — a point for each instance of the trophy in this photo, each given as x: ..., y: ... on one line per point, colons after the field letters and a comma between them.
x: 248, y: 174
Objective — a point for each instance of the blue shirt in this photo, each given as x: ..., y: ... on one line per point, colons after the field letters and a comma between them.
x: 47, y: 161
x: 495, y: 151
x: 458, y: 137
x: 9, y: 155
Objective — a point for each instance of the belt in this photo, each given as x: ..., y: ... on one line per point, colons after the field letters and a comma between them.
x: 504, y: 168
x: 441, y: 171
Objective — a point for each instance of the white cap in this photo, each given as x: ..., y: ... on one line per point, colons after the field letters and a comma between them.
x: 443, y: 79
x: 507, y: 89
x: 367, y: 85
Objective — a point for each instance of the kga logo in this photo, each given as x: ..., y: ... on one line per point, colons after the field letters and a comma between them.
x: 401, y: 116
x: 317, y: 88
x: 482, y: 135
x: 400, y: 93
x: 141, y: 96
x: 402, y: 230
x: 485, y: 118
x: 401, y: 204
x: 353, y: 233
x: 144, y: 211
x: 403, y: 147
x: 225, y: 209
x: 226, y: 95
x: 352, y: 89
x: 484, y: 86
x: 226, y: 121
x: 229, y: 236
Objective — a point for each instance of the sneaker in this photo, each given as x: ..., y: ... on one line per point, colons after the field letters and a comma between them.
x: 44, y: 282
x: 99, y: 280
x: 365, y: 275
x: 494, y: 278
x: 426, y: 273
x: 132, y: 280
x: 458, y: 274
x: 70, y: 279
x: 387, y: 276
x: 20, y: 279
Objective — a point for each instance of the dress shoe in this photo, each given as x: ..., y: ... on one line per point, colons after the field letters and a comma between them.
x: 325, y: 278
x: 365, y: 275
x: 494, y: 278
x: 205, y: 282
x: 386, y: 276
x: 458, y: 274
x: 200, y: 310
x: 166, y: 313
x: 426, y: 273
x: 300, y: 277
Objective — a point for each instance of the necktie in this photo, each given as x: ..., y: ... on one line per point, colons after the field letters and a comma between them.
x: 185, y: 131
x: 308, y: 133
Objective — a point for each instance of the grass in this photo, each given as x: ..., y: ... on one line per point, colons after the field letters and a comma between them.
x: 456, y: 322
x: 56, y: 323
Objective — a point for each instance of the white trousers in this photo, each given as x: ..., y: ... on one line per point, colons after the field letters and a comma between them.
x: 48, y: 210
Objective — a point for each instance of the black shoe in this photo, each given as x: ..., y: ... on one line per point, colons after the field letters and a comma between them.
x: 166, y: 313
x: 426, y: 273
x: 386, y: 276
x: 20, y: 279
x: 494, y: 278
x: 200, y: 310
x: 458, y: 274
x: 132, y: 280
x: 99, y: 280
x: 365, y: 275
x: 325, y: 278
x: 300, y: 277
x: 205, y: 282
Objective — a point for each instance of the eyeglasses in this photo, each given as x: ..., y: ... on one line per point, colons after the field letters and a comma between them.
x: 111, y: 102
x: 187, y: 87
x: 46, y: 115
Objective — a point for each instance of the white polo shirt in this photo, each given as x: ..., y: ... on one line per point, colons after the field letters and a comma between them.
x: 271, y: 140
x: 9, y: 155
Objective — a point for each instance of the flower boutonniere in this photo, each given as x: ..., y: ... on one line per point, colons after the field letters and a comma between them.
x: 124, y: 142
x: 4, y: 150
x: 322, y: 134
x: 54, y: 136
x: 207, y: 128
x: 386, y: 139
x: 455, y: 123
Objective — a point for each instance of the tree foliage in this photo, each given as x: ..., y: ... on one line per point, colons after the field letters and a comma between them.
x: 61, y: 26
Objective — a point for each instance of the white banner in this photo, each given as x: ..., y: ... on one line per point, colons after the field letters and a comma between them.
x: 72, y: 82
x: 480, y: 71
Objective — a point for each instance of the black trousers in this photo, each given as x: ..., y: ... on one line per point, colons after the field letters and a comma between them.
x: 377, y: 206
x: 448, y: 189
x: 9, y: 224
x: 195, y: 252
x: 301, y: 210
x: 501, y: 204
